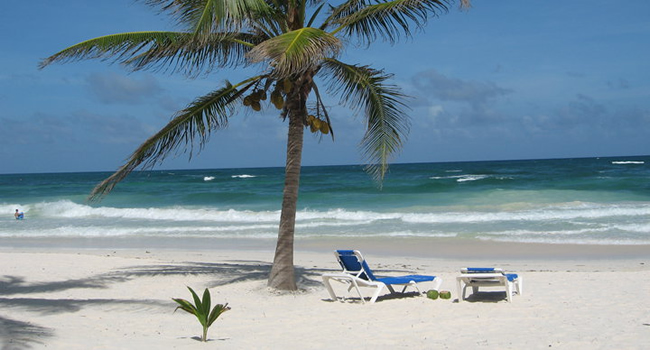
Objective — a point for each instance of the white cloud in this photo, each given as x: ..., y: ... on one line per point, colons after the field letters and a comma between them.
x: 435, y: 111
x: 438, y: 86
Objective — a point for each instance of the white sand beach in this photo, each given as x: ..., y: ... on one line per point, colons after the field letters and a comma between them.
x: 121, y: 299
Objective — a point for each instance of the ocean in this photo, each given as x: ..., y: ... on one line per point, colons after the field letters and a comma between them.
x: 602, y: 201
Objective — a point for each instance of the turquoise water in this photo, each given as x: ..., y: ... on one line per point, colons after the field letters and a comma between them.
x: 579, y: 201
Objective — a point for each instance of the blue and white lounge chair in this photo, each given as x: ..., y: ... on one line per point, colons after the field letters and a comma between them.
x: 476, y: 277
x: 356, y: 273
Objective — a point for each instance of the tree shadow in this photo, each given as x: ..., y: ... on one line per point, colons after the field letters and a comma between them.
x: 226, y: 273
x: 55, y: 306
x: 10, y: 285
x: 16, y: 335
x: 20, y: 335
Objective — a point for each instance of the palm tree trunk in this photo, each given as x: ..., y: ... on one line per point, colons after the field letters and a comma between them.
x: 282, y: 273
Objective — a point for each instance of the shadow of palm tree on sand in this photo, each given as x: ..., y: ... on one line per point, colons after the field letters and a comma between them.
x: 17, y: 334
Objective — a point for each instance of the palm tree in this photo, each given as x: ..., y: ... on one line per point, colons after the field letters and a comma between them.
x: 280, y: 38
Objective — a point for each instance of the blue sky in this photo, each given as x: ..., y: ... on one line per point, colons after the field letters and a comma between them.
x: 505, y: 80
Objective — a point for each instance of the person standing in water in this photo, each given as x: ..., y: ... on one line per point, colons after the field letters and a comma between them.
x: 19, y: 215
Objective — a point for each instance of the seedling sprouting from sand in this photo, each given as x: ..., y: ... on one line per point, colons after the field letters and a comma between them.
x: 201, y: 309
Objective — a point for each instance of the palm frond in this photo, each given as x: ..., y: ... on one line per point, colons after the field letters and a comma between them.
x: 315, y: 15
x: 268, y: 27
x: 386, y: 122
x: 203, y: 116
x: 202, y: 17
x: 179, y: 51
x: 120, y: 45
x: 343, y: 10
x: 221, y: 50
x: 385, y: 19
x: 296, y: 51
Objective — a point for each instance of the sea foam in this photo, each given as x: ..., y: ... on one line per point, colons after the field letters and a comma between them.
x: 578, y: 201
x: 628, y: 162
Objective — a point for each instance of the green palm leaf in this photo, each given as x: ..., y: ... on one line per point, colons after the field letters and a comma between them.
x: 386, y: 122
x: 216, y: 312
x: 385, y: 19
x: 157, y: 49
x: 115, y: 45
x: 205, y: 16
x: 218, y: 50
x: 202, y: 306
x: 185, y: 306
x: 296, y: 51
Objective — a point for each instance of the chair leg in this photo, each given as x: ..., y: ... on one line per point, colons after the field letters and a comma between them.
x: 437, y: 282
x: 509, y: 286
x: 412, y: 284
x: 356, y: 286
x: 326, y: 282
x: 376, y: 295
x: 460, y: 293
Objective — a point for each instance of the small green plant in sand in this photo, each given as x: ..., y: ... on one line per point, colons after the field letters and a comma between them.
x: 201, y: 309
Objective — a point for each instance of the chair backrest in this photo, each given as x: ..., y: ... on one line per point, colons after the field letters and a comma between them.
x: 353, y: 262
x: 481, y: 270
x: 478, y: 270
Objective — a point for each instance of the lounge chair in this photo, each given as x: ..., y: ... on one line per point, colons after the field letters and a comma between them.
x: 476, y: 277
x: 356, y: 273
